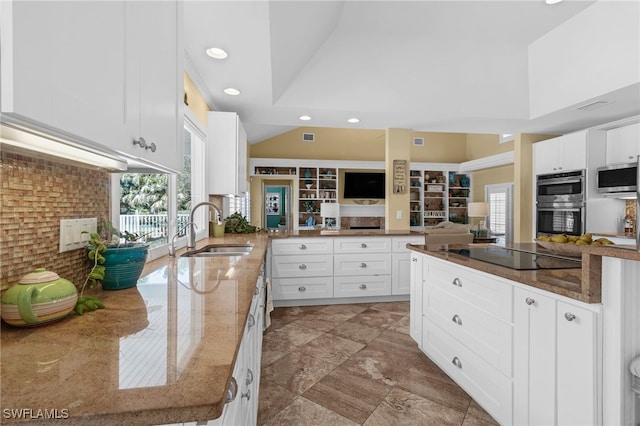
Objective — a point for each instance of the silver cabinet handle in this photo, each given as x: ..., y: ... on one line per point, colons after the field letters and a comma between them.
x: 363, y: 286
x: 363, y: 245
x: 232, y: 391
x: 456, y: 361
x: 302, y: 288
x: 252, y: 321
x: 529, y: 301
x: 569, y: 316
x: 363, y: 265
x: 456, y: 318
x: 413, y: 259
x: 249, y: 377
x: 302, y: 247
x: 141, y: 142
x: 302, y: 267
x: 246, y: 395
x: 151, y: 147
x: 457, y: 282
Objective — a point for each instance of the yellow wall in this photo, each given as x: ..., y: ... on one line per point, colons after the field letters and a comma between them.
x: 330, y: 144
x: 439, y: 147
x: 197, y: 103
x: 494, y: 175
x: 481, y: 145
x: 398, y: 147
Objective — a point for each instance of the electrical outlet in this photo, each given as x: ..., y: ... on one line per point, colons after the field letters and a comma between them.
x: 71, y: 236
x: 398, y: 214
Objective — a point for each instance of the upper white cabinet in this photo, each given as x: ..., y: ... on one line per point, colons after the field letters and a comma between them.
x: 623, y: 144
x: 561, y: 154
x: 63, y: 67
x: 99, y: 74
x: 153, y: 58
x: 227, y: 154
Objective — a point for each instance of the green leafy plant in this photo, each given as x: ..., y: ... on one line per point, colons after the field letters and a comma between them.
x: 107, y: 237
x: 238, y: 224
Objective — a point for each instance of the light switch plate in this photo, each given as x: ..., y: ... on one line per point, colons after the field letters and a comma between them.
x: 71, y: 236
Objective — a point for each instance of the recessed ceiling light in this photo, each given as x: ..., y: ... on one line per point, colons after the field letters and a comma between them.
x: 552, y: 1
x: 353, y: 120
x: 217, y: 53
x: 231, y: 91
x: 304, y: 118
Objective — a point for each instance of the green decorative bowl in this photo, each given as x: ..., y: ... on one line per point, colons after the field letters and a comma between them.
x: 123, y: 266
x: 39, y: 298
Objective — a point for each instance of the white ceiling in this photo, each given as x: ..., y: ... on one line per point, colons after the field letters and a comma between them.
x: 453, y: 66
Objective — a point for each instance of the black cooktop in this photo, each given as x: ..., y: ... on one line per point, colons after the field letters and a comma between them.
x: 515, y: 259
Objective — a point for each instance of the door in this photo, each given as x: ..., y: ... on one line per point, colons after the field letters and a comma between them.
x: 500, y: 220
x: 277, y: 207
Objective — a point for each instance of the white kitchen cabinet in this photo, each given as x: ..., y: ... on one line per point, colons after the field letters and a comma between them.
x: 400, y: 263
x: 415, y: 298
x: 226, y: 153
x: 154, y: 82
x: 623, y: 144
x: 561, y: 154
x: 555, y: 360
x: 63, y: 69
x: 97, y: 74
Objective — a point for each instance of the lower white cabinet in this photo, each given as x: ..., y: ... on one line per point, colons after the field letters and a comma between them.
x: 341, y: 267
x: 528, y: 356
x: 556, y: 361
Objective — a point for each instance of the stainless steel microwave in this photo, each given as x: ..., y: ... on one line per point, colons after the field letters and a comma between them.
x: 618, y: 178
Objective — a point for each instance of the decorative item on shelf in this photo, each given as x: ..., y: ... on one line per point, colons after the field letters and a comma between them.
x: 329, y: 173
x: 440, y: 179
x: 309, y: 206
x: 452, y: 178
x: 307, y: 173
x: 308, y: 185
x: 330, y: 212
x: 479, y: 210
x: 311, y: 221
x: 464, y: 181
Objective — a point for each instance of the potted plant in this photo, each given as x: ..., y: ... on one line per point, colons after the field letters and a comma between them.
x: 118, y: 260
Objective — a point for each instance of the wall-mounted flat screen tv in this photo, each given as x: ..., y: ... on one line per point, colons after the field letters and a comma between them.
x: 366, y: 185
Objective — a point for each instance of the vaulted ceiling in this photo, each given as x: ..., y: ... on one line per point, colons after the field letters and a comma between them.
x: 455, y: 66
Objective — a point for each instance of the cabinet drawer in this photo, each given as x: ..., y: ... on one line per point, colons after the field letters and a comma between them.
x: 485, y: 334
x: 302, y: 266
x: 492, y: 295
x: 357, y: 264
x: 362, y: 245
x: 302, y: 288
x: 399, y: 244
x: 485, y: 384
x: 302, y: 246
x: 362, y: 286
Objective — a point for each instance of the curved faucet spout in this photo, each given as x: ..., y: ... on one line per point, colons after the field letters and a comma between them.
x: 191, y: 244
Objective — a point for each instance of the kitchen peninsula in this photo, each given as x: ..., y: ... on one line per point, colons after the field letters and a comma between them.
x: 545, y: 346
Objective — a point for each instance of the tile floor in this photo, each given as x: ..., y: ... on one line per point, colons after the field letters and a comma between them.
x: 355, y: 365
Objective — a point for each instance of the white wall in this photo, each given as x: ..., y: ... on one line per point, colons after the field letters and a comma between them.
x: 595, y: 52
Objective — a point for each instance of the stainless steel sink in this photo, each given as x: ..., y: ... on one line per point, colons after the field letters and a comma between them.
x: 220, y: 250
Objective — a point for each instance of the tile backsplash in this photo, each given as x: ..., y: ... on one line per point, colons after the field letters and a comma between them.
x: 36, y: 194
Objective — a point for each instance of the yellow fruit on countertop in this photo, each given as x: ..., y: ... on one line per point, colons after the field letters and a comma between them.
x: 544, y: 238
x: 559, y: 238
x: 582, y: 243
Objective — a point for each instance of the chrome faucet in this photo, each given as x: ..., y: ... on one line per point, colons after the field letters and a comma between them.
x: 172, y: 244
x: 192, y: 232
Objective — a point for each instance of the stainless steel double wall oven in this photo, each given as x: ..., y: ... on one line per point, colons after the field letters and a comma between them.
x: 560, y: 203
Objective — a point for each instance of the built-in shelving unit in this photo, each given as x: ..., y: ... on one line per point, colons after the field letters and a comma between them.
x: 415, y: 198
x: 459, y: 195
x: 316, y: 185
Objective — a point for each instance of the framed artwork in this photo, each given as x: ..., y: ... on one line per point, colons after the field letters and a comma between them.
x: 272, y: 203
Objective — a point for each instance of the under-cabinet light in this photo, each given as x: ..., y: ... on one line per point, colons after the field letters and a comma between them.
x: 231, y: 91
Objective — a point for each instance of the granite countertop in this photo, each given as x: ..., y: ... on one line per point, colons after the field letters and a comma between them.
x: 582, y: 284
x: 161, y: 352
x: 343, y: 233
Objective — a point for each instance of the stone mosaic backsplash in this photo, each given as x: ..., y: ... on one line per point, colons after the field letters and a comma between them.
x: 36, y: 194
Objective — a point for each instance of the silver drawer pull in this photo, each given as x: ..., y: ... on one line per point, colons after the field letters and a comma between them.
x: 363, y: 286
x: 246, y: 395
x: 363, y: 265
x: 569, y: 316
x: 141, y: 142
x: 455, y: 361
x: 302, y: 288
x: 232, y: 391
x: 363, y: 245
x: 302, y: 247
x: 457, y: 282
x: 529, y: 301
x: 249, y: 377
x: 414, y: 259
x: 302, y: 266
x: 456, y: 318
x: 252, y: 321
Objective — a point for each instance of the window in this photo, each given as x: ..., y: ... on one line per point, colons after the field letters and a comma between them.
x: 500, y: 220
x: 157, y: 205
